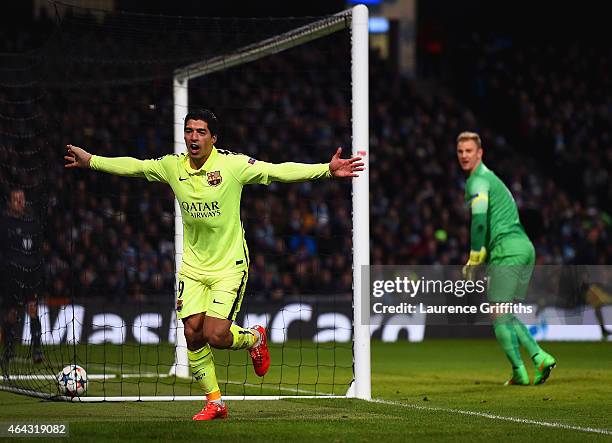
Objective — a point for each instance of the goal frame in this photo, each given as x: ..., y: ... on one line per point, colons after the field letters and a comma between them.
x: 357, y: 19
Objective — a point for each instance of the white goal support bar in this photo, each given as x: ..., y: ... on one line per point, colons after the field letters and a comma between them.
x: 93, y: 399
x: 361, y: 202
x: 357, y: 19
x: 189, y: 398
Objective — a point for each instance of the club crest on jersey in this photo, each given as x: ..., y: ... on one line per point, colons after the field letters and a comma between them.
x: 179, y: 305
x: 214, y: 178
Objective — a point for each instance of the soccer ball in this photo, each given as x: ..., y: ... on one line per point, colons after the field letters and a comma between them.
x: 72, y: 381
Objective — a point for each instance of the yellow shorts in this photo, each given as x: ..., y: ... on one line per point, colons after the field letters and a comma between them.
x: 218, y: 296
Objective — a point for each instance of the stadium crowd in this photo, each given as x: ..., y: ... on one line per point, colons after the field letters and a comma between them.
x: 553, y: 99
x: 113, y: 237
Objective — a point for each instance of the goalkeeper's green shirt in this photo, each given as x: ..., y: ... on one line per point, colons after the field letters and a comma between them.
x: 209, y: 197
x: 494, y: 213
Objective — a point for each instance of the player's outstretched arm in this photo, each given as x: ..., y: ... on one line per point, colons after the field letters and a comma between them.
x: 250, y: 170
x: 345, y: 167
x: 77, y: 157
x: 124, y: 166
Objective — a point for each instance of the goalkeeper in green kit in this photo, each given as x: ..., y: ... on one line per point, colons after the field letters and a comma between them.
x: 498, y: 240
x: 207, y: 183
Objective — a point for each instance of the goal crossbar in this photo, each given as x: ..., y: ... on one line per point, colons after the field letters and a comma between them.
x: 264, y: 48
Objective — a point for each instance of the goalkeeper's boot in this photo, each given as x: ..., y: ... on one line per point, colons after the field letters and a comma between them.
x: 260, y: 354
x: 544, y: 363
x: 211, y: 411
x: 519, y: 377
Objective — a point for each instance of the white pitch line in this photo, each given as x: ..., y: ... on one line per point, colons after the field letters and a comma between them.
x: 497, y: 417
x: 230, y: 382
x: 143, y: 375
x: 154, y: 375
x: 280, y: 388
x: 117, y: 368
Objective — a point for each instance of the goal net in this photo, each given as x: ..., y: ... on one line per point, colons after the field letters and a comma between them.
x: 120, y: 84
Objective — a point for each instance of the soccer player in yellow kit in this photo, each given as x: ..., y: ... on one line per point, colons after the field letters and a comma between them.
x: 207, y: 183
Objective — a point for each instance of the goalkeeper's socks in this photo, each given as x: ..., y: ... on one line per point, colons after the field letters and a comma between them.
x: 525, y: 338
x: 506, y: 336
x: 542, y: 361
x: 242, y: 338
x: 203, y: 369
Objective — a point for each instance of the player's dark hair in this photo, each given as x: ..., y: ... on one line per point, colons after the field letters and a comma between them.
x: 206, y: 116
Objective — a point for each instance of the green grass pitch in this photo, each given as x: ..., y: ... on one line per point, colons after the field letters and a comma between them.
x: 432, y: 391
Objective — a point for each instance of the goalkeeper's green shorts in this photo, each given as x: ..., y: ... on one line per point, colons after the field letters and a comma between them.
x: 218, y: 295
x: 509, y: 270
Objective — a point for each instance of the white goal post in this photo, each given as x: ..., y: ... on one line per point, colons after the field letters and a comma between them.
x: 357, y: 19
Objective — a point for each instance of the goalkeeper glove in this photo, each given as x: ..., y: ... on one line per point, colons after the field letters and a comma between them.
x: 476, y: 259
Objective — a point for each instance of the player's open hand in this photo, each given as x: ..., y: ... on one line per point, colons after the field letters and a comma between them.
x: 345, y: 167
x: 77, y: 157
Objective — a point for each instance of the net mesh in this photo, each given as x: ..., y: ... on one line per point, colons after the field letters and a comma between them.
x: 103, y: 81
x: 25, y: 206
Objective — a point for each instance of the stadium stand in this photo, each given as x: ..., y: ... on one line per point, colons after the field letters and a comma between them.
x: 124, y: 245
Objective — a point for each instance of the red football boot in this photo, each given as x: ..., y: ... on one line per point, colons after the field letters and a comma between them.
x: 211, y: 411
x: 260, y: 355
